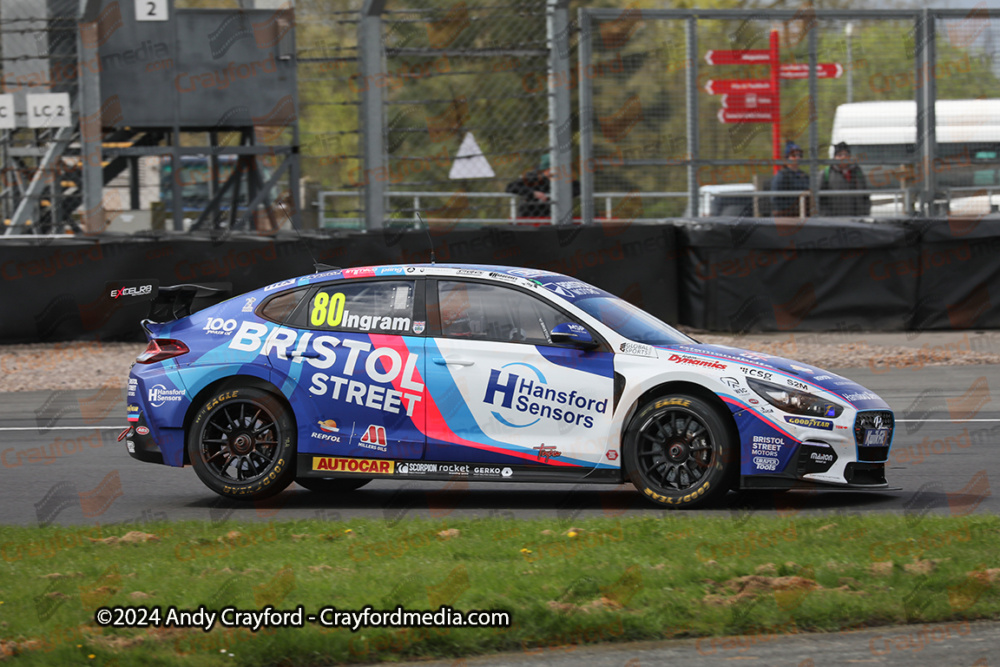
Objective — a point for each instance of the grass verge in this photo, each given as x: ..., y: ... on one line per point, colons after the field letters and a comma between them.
x: 597, y: 580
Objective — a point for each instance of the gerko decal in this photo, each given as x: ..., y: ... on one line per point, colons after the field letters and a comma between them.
x: 703, y: 363
x: 365, y: 466
x: 419, y: 327
x: 522, y: 397
x: 810, y: 422
x: 248, y: 306
x: 382, y: 365
x: 328, y: 310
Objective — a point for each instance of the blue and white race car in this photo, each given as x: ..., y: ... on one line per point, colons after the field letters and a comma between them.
x: 485, y: 373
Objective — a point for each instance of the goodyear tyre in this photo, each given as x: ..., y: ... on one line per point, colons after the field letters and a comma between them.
x: 242, y: 444
x: 680, y: 452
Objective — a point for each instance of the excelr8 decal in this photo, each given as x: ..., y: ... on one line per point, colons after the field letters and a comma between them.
x: 519, y: 397
x: 350, y: 379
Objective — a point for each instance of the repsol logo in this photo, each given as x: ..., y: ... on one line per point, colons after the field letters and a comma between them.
x: 521, y: 398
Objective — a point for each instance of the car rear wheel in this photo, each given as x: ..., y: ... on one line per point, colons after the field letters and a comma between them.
x: 242, y: 444
x: 332, y: 485
x: 679, y: 452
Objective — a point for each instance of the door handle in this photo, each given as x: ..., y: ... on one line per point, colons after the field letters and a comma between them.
x: 441, y: 361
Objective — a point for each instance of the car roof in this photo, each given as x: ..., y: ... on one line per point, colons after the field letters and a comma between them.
x: 509, y: 274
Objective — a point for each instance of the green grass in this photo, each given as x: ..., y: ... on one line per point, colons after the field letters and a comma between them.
x: 616, y: 579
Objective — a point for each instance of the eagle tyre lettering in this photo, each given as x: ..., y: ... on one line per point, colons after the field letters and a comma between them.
x: 331, y: 484
x: 679, y: 452
x: 242, y: 444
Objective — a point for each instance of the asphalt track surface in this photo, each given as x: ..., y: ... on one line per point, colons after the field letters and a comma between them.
x: 60, y: 463
x: 943, y: 462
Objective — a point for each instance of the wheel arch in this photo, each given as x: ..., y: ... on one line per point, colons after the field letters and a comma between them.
x: 682, y: 387
x: 231, y: 382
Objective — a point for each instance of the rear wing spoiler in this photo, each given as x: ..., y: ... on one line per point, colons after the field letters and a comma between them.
x: 167, y: 303
x: 175, y: 301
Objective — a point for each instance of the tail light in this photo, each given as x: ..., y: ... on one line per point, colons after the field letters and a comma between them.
x: 161, y: 349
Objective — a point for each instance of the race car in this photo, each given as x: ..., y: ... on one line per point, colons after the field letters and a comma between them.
x: 483, y: 373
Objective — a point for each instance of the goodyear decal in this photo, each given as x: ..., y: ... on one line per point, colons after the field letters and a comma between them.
x: 366, y: 466
x: 810, y: 422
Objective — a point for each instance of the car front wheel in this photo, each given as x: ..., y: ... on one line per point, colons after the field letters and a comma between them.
x: 242, y: 444
x: 679, y: 452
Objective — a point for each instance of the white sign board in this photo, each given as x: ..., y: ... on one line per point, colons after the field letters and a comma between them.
x: 49, y: 110
x: 150, y: 10
x: 7, y: 112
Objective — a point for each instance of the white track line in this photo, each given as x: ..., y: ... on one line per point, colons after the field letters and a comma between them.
x: 60, y: 428
x: 955, y: 421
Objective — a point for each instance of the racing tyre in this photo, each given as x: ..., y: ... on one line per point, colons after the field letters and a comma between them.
x: 331, y: 485
x: 680, y: 453
x: 242, y: 444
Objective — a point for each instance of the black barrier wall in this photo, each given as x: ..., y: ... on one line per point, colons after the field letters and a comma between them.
x: 54, y: 290
x: 958, y: 274
x: 734, y: 275
x: 743, y: 275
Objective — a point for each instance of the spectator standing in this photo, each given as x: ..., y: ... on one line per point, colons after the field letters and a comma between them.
x: 535, y: 190
x: 845, y: 175
x: 790, y: 179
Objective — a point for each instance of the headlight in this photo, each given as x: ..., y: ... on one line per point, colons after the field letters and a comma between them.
x: 796, y: 402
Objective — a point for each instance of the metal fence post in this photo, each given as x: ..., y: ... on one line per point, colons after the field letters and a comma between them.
x: 692, y: 114
x: 813, y: 129
x: 372, y: 112
x: 560, y: 118
x: 587, y: 163
x: 929, y: 91
x: 921, y: 103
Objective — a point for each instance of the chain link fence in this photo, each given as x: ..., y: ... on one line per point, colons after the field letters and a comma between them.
x: 672, y: 103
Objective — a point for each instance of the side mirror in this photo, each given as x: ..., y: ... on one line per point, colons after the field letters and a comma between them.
x: 573, y: 334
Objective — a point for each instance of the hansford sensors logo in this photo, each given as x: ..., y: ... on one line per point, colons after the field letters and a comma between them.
x: 521, y: 398
x: 159, y: 395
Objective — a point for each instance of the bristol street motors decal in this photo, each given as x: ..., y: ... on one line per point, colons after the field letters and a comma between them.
x: 365, y: 466
x: 521, y: 397
x: 348, y: 380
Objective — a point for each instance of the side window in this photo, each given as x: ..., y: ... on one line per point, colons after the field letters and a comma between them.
x: 492, y: 312
x: 372, y: 307
x: 280, y: 306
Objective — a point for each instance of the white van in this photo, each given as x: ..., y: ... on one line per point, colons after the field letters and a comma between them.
x: 968, y: 145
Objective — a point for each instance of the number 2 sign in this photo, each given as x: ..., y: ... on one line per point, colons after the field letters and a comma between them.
x: 151, y: 10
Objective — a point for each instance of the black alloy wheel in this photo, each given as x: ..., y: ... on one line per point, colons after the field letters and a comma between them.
x: 242, y: 444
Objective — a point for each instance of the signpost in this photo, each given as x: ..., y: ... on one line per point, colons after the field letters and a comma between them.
x: 759, y: 100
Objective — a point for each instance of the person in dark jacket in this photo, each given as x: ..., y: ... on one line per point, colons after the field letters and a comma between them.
x: 534, y: 188
x: 790, y: 178
x: 844, y: 176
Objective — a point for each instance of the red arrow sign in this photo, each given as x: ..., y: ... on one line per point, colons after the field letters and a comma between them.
x: 739, y: 57
x: 748, y: 116
x: 723, y: 86
x: 748, y: 101
x: 801, y: 71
